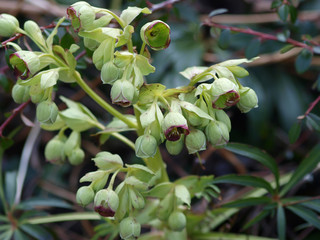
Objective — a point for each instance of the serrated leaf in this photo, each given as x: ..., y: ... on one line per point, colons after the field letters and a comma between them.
x: 217, y: 12
x: 256, y: 219
x: 248, y: 202
x: 224, y: 39
x: 195, y: 184
x: 306, y: 214
x: 286, y: 48
x: 144, y: 66
x: 303, y: 61
x: 256, y: 154
x: 76, y: 120
x: 129, y: 14
x: 305, y: 167
x: 101, y: 34
x: 294, y: 132
x: 139, y: 171
x: 253, y: 48
x: 281, y: 222
x: 244, y: 180
x: 283, y: 12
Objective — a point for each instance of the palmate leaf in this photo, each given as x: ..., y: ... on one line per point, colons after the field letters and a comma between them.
x: 256, y: 154
x: 305, y: 167
x: 245, y: 181
x: 248, y: 202
x: 306, y: 214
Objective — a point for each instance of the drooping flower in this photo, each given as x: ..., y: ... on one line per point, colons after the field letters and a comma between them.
x: 174, y: 125
x: 106, y: 202
x: 224, y: 93
x: 156, y: 35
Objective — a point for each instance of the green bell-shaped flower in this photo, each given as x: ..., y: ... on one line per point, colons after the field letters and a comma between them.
x: 9, y: 25
x: 81, y: 14
x: 106, y: 202
x: 248, y: 100
x: 24, y: 63
x: 53, y: 151
x: 196, y: 141
x: 224, y: 93
x: 175, y: 147
x: 20, y: 94
x: 123, y: 93
x: 85, y: 195
x: 146, y: 146
x: 217, y: 133
x: 177, y: 221
x: 156, y: 35
x: 47, y: 112
x: 130, y: 228
x: 76, y: 157
x: 174, y: 125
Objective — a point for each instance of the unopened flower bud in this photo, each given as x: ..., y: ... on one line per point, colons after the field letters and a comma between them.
x: 217, y: 133
x: 20, y: 94
x: 129, y: 228
x: 136, y: 198
x: 248, y: 100
x: 174, y: 125
x: 166, y: 207
x: 85, y: 195
x: 24, y: 63
x: 177, y: 221
x: 224, y: 93
x: 9, y: 25
x: 156, y: 34
x: 122, y: 93
x: 106, y: 202
x: 108, y: 161
x: 82, y: 15
x: 196, y: 141
x: 76, y: 157
x: 110, y: 73
x: 37, y: 93
x: 34, y: 32
x: 72, y: 142
x: 54, y: 151
x: 175, y: 147
x: 47, y: 112
x: 222, y: 116
x: 146, y: 146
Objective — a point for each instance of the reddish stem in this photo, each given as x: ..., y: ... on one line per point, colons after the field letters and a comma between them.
x: 264, y: 36
x: 80, y: 55
x: 17, y: 36
x: 164, y: 4
x: 312, y: 105
x: 14, y: 113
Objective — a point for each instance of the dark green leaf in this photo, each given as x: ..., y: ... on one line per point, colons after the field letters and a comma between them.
x: 245, y: 181
x: 224, y: 39
x: 36, y: 231
x: 67, y: 40
x: 313, y: 122
x: 293, y: 13
x: 294, y: 132
x: 8, y: 52
x: 10, y: 186
x: 6, y: 235
x: 43, y: 202
x: 281, y: 222
x: 305, y: 167
x: 303, y: 61
x: 286, y: 48
x: 19, y: 235
x: 248, y: 202
x: 253, y: 48
x: 306, y: 214
x: 283, y: 12
x: 4, y: 83
x: 276, y: 4
x: 314, y: 205
x: 218, y: 11
x: 256, y: 219
x: 256, y: 154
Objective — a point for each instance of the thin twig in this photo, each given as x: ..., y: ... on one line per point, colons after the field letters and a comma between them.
x: 80, y: 55
x: 263, y: 36
x: 14, y: 113
x: 164, y: 4
x: 312, y: 105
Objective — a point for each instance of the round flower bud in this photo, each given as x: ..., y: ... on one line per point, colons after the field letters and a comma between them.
x: 174, y: 124
x: 37, y: 94
x: 136, y: 198
x: 156, y: 34
x: 224, y: 93
x: 76, y: 157
x: 20, y: 94
x: 146, y: 146
x: 9, y: 25
x: 110, y: 73
x: 221, y: 116
x: 248, y: 100
x: 106, y: 202
x: 47, y: 112
x: 85, y: 195
x: 129, y: 228
x: 122, y: 93
x: 175, y: 147
x: 177, y: 221
x: 54, y: 151
x: 196, y: 141
x: 217, y: 133
x: 73, y: 142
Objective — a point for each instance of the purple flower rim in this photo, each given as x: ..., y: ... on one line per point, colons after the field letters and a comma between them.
x: 173, y: 133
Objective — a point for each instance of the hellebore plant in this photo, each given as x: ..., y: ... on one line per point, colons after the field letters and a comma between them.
x: 188, y: 116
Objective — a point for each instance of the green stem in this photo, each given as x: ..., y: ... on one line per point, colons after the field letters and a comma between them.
x: 101, y: 102
x: 118, y: 19
x: 124, y: 140
x: 130, y: 45
x: 156, y: 163
x: 142, y: 48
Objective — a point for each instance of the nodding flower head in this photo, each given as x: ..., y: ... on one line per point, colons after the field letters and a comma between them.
x: 174, y: 125
x: 224, y: 93
x: 24, y: 63
x: 106, y: 202
x: 81, y: 14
